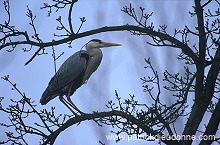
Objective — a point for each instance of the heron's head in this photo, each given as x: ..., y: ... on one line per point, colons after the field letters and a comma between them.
x: 96, y: 43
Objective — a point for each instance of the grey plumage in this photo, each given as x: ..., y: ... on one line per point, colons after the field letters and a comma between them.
x: 74, y: 72
x: 70, y: 72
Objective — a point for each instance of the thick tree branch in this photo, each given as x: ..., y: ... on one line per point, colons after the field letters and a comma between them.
x: 213, y: 124
x: 184, y: 47
x: 209, y: 91
x: 52, y: 137
x: 201, y: 104
x: 202, y: 50
x: 212, y: 77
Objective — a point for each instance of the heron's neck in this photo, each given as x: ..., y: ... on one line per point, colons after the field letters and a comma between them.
x: 93, y: 63
x: 94, y: 52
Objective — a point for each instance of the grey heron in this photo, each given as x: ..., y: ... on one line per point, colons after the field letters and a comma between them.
x: 74, y: 72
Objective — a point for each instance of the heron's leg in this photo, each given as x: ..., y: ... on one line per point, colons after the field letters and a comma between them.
x: 71, y: 102
x: 66, y: 104
x: 74, y: 106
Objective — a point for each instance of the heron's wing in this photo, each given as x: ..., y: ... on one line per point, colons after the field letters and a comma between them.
x: 71, y: 69
x: 69, y: 72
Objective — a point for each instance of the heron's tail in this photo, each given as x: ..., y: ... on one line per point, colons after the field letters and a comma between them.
x: 47, y: 96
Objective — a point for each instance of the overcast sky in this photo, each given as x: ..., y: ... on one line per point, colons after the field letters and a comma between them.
x: 121, y: 67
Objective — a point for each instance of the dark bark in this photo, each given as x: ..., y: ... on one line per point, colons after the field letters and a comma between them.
x: 178, y: 44
x: 212, y: 126
x: 52, y: 137
x: 201, y: 102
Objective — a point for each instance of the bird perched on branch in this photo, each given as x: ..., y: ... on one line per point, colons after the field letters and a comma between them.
x: 74, y: 72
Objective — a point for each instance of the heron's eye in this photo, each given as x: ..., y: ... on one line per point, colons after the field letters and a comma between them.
x: 100, y: 42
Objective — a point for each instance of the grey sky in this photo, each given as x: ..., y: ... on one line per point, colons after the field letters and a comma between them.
x: 121, y: 67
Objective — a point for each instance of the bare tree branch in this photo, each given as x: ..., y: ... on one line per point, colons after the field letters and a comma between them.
x: 178, y: 44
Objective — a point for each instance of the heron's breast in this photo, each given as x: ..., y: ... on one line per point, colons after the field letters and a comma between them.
x: 92, y: 65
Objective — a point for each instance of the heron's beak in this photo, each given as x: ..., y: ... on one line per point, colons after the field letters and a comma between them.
x: 106, y: 44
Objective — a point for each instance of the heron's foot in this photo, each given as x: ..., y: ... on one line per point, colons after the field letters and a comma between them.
x: 74, y: 113
x: 77, y: 112
x: 82, y: 113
